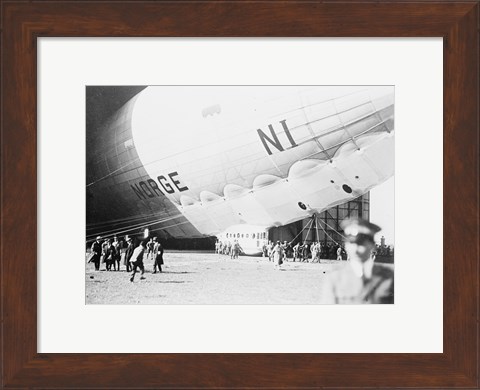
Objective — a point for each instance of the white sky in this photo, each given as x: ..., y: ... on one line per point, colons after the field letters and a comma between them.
x: 382, y: 210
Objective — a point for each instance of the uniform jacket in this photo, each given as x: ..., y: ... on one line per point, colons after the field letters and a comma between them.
x: 345, y: 286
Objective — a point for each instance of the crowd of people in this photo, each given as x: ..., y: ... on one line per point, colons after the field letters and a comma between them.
x: 127, y: 252
x: 384, y: 250
x: 228, y: 248
x: 301, y: 252
x: 362, y: 281
x: 308, y: 251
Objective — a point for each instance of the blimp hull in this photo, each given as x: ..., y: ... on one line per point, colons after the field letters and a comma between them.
x: 197, y: 160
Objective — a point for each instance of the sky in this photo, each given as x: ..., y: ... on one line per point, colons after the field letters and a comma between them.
x: 382, y: 210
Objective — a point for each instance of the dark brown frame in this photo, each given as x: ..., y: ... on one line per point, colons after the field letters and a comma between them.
x: 456, y: 22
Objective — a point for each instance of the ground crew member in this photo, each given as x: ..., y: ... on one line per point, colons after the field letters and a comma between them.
x: 339, y: 253
x: 278, y: 252
x: 137, y: 260
x: 158, y: 257
x: 97, y: 252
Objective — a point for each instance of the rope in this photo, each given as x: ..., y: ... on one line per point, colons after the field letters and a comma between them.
x: 329, y: 235
x: 311, y: 223
x: 108, y: 233
x: 129, y: 220
x: 112, y: 173
x: 336, y: 231
x: 299, y: 233
x: 316, y: 228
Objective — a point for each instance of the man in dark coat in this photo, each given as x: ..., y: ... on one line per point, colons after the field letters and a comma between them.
x: 305, y: 252
x: 157, y: 256
x: 360, y: 281
x: 129, y: 253
x: 97, y: 252
x: 111, y: 256
x: 117, y: 256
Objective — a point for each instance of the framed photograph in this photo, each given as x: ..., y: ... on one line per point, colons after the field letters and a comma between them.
x: 208, y: 194
x: 217, y: 196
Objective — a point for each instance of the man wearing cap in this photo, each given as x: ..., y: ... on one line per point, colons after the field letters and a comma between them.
x: 360, y: 281
x: 97, y: 252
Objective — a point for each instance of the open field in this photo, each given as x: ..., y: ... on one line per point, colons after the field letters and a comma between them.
x: 208, y: 278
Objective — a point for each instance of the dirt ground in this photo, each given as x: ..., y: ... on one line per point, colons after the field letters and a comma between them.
x: 208, y: 278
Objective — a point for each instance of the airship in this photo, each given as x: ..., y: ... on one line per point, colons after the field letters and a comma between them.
x: 234, y: 161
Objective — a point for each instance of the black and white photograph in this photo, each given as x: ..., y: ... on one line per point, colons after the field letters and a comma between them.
x: 235, y: 194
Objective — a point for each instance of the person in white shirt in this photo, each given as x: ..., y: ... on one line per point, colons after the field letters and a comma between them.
x: 137, y: 261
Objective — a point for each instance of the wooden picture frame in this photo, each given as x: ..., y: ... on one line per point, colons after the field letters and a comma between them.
x: 23, y: 22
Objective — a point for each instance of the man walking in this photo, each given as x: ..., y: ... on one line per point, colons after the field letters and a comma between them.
x: 97, y: 252
x: 137, y: 260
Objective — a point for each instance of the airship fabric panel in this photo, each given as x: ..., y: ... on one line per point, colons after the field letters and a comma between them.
x: 193, y: 161
x: 259, y: 151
